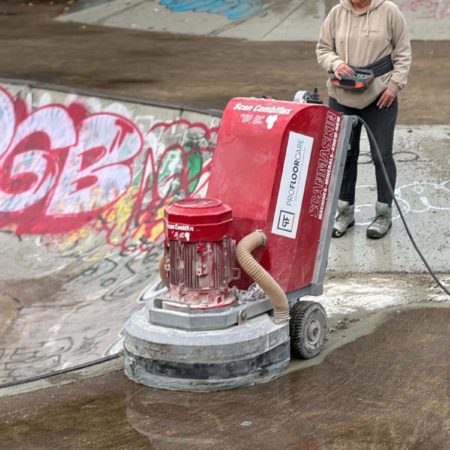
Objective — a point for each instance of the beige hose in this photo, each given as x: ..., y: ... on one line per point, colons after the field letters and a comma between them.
x: 162, y: 271
x: 272, y: 289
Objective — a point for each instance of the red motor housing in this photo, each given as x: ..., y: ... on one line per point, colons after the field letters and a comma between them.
x: 199, y: 254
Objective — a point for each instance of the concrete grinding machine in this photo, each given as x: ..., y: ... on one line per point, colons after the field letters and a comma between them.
x: 237, y: 263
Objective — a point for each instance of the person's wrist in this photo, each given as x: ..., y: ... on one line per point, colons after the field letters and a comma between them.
x: 393, y: 87
x: 336, y: 64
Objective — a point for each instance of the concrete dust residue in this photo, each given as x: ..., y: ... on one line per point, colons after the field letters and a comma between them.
x: 372, y: 292
x: 357, y: 304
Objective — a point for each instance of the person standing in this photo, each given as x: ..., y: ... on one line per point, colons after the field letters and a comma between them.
x: 368, y: 34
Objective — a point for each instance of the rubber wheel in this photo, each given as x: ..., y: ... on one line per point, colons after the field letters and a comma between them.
x: 308, y: 329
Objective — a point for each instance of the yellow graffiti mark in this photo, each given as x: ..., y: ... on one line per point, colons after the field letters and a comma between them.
x: 157, y: 231
x: 119, y: 215
x: 146, y: 228
x: 153, y: 231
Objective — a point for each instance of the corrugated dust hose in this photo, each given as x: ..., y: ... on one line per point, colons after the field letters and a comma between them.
x: 253, y: 269
x: 162, y: 271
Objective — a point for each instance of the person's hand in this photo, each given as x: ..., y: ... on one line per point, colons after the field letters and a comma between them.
x: 386, y: 99
x: 342, y: 70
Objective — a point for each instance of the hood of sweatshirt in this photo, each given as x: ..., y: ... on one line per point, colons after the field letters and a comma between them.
x: 348, y: 5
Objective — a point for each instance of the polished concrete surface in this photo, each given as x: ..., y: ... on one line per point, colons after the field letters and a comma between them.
x: 386, y: 390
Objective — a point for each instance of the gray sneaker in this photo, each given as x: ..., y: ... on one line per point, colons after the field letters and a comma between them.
x: 345, y: 218
x: 382, y: 222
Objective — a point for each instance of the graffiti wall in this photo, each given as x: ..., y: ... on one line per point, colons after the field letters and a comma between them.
x: 83, y: 185
x: 426, y: 9
x: 232, y: 9
x: 70, y: 167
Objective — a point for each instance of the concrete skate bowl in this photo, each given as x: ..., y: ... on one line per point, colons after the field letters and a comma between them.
x: 260, y: 20
x: 84, y: 180
x: 83, y: 185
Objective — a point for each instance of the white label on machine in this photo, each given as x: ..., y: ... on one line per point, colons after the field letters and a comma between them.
x: 292, y: 186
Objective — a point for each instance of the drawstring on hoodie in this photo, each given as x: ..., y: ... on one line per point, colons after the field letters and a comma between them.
x: 349, y: 16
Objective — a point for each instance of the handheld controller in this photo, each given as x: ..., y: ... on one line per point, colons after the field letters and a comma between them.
x: 358, y: 82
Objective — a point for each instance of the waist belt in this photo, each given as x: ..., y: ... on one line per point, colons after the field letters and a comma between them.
x: 363, y: 76
x: 378, y: 68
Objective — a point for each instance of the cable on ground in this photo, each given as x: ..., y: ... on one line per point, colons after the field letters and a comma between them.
x: 62, y: 371
x: 391, y: 190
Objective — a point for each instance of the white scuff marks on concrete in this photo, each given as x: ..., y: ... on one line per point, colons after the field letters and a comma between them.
x: 357, y: 295
x: 351, y: 296
x: 423, y: 192
x: 417, y: 197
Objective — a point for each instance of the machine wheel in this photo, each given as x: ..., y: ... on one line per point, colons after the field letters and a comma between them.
x: 308, y: 329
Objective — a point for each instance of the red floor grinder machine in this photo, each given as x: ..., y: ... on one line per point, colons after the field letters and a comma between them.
x: 237, y: 262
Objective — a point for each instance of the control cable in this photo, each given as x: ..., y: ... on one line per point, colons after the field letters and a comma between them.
x: 62, y: 371
x: 391, y: 190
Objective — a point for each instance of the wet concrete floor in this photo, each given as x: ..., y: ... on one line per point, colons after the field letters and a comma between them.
x: 387, y: 390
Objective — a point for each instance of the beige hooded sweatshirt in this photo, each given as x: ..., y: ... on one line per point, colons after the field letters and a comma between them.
x: 359, y: 39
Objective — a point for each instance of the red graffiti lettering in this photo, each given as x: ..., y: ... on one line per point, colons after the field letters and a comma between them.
x: 56, y: 176
x: 69, y: 173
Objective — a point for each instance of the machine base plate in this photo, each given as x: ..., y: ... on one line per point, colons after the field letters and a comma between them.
x: 168, y: 358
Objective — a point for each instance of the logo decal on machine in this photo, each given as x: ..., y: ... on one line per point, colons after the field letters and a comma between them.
x: 269, y: 109
x: 270, y: 121
x: 292, y: 186
x: 286, y: 221
x: 324, y: 166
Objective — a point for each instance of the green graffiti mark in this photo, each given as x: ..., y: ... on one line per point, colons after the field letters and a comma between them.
x: 194, y: 168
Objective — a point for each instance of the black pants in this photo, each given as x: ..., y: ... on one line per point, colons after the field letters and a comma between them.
x: 382, y: 124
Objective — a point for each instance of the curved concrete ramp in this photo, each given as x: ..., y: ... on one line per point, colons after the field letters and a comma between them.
x: 260, y: 20
x: 83, y: 184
